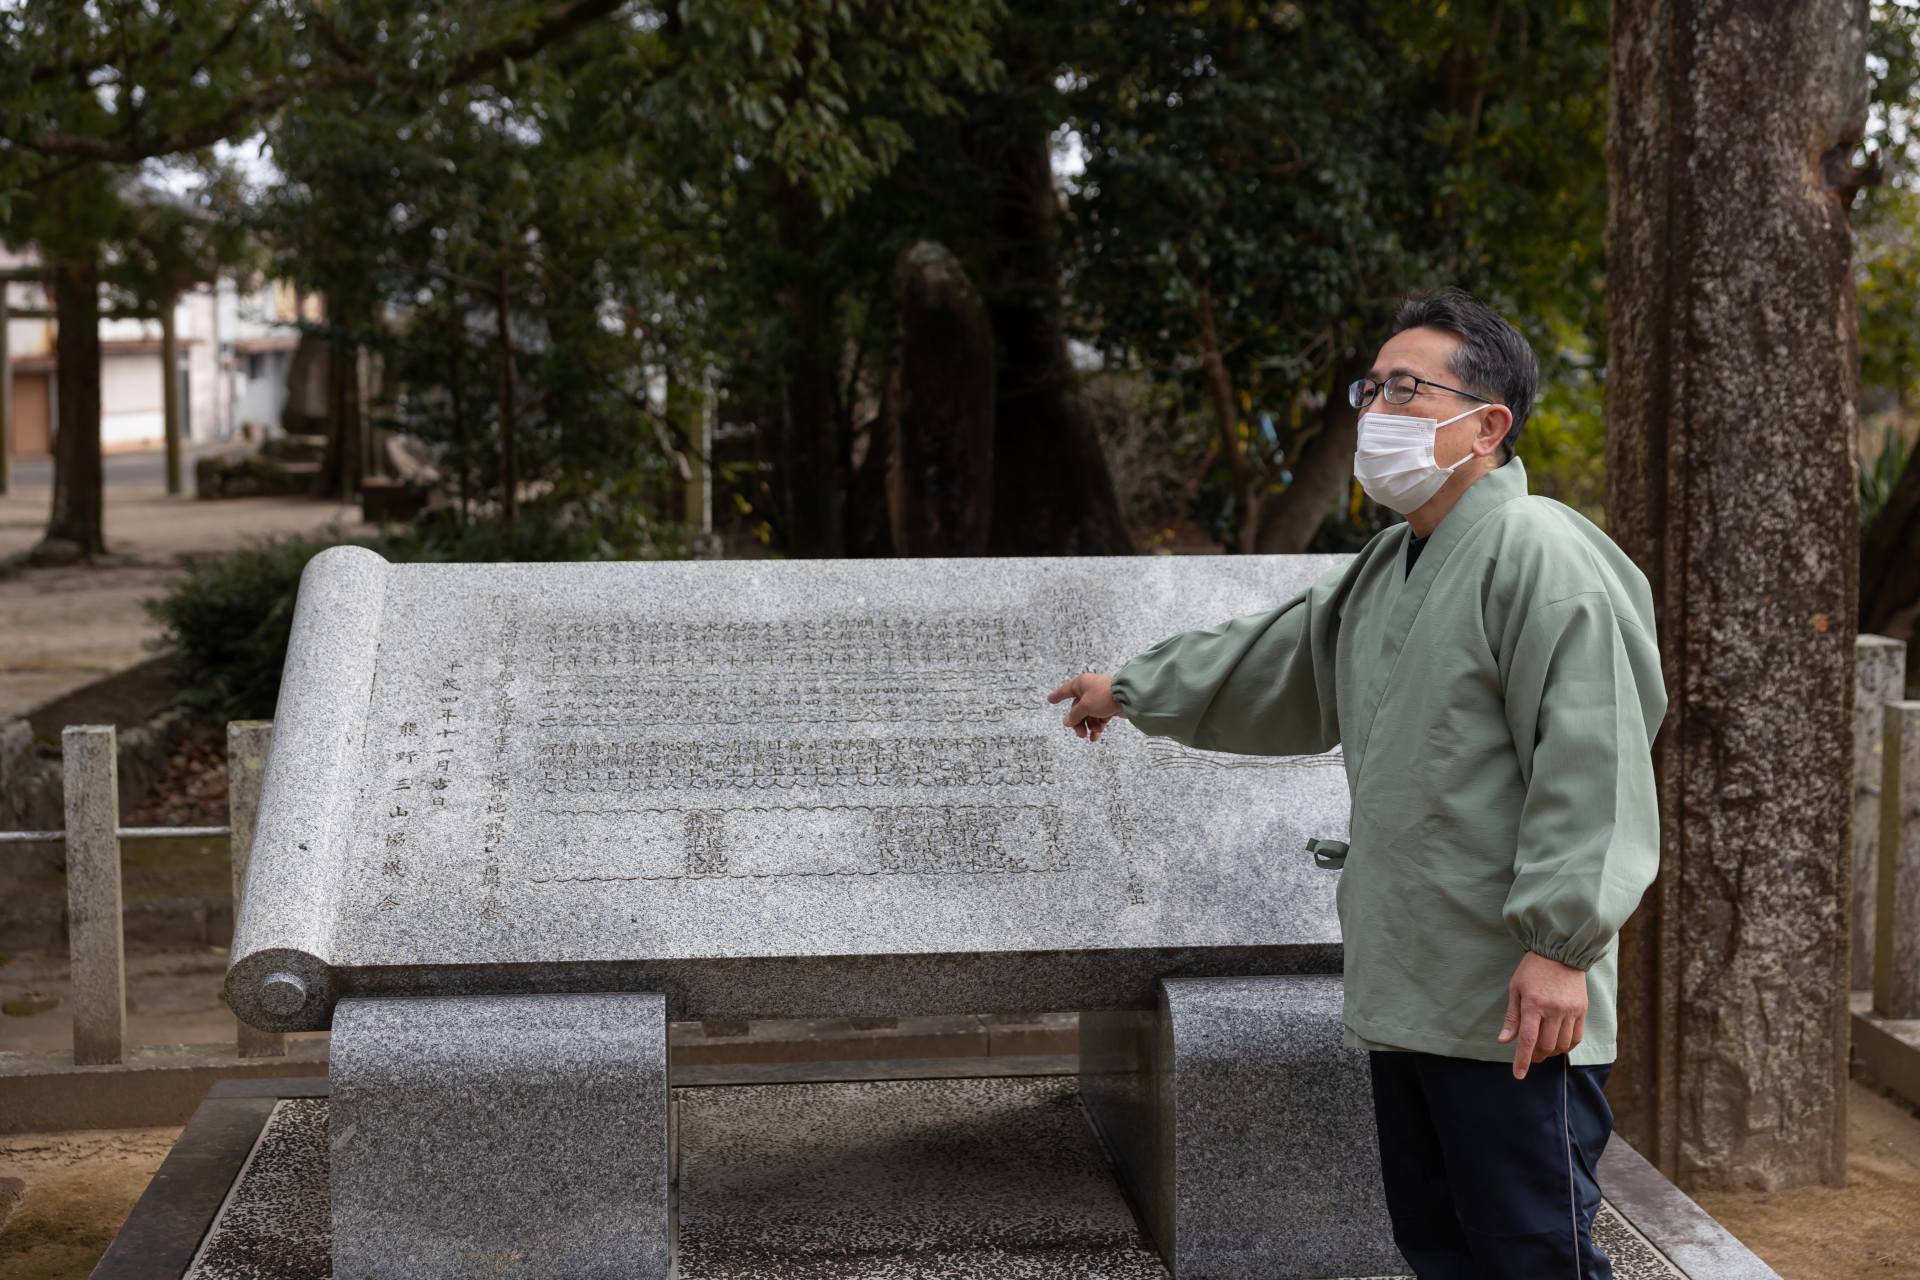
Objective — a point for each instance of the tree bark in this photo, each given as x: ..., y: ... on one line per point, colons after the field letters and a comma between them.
x: 509, y: 423
x: 1226, y: 416
x: 75, y: 528
x: 1322, y: 466
x: 340, y: 472
x: 815, y: 449
x: 939, y: 408
x: 1731, y: 403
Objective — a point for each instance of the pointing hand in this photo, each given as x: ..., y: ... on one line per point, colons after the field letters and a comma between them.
x: 1093, y: 704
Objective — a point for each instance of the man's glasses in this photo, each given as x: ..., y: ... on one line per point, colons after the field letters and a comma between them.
x: 1400, y: 388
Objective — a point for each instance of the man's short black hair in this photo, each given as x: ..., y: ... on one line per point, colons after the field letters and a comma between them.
x: 1493, y: 361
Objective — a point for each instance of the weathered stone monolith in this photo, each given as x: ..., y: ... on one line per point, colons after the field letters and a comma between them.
x: 1731, y: 481
x: 938, y: 414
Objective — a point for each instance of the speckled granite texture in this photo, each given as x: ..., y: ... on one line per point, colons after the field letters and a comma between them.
x: 973, y: 1198
x: 1244, y: 1130
x: 519, y: 1137
x: 275, y: 1223
x: 1000, y: 1178
x: 764, y: 789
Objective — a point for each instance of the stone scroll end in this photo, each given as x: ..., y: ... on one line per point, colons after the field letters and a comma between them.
x: 282, y: 990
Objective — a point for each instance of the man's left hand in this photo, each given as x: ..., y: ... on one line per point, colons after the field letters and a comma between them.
x: 1546, y: 1011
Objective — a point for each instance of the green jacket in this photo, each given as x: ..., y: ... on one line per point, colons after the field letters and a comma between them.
x: 1496, y: 710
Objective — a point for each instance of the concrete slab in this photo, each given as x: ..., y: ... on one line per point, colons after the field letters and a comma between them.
x: 852, y: 1181
x: 1887, y: 1049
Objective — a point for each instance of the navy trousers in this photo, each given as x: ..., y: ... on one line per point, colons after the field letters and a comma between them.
x: 1488, y: 1177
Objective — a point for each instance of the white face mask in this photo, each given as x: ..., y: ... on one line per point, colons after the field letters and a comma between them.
x: 1394, y: 462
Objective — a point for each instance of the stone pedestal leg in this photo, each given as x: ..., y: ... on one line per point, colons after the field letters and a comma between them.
x: 501, y: 1136
x: 1243, y: 1130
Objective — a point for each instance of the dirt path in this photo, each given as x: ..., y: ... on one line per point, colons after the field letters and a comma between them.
x: 64, y: 1195
x: 61, y: 628
x: 1868, y: 1230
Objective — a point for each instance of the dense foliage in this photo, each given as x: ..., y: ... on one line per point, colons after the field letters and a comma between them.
x: 227, y: 618
x: 562, y: 225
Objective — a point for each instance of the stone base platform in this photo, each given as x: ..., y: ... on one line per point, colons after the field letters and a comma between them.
x: 865, y: 1178
x: 1886, y: 1050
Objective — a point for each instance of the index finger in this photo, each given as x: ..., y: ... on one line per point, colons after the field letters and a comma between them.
x: 1523, y: 1047
x: 1071, y: 689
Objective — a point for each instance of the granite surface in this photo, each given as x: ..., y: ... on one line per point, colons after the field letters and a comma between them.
x: 1896, y: 976
x: 1248, y: 1141
x: 521, y: 1136
x: 658, y: 776
x: 248, y: 743
x: 1880, y: 677
x: 1001, y: 1175
x: 979, y: 1192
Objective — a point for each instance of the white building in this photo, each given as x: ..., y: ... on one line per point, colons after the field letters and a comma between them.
x: 235, y: 349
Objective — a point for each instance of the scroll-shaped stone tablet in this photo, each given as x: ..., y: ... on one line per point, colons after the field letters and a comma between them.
x: 764, y: 789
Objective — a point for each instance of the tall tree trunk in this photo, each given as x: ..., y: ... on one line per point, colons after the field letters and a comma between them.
x: 340, y: 472
x: 1321, y: 460
x: 1052, y: 492
x: 815, y: 448
x: 509, y: 422
x: 75, y: 528
x: 1226, y: 415
x: 1731, y: 407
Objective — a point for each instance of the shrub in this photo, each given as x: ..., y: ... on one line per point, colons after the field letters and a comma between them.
x: 228, y: 619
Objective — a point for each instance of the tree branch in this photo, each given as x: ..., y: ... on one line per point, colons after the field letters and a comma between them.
x: 259, y: 99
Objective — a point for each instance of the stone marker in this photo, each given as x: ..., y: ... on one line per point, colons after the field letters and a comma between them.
x: 1896, y: 969
x: 752, y: 789
x: 1880, y: 677
x: 764, y: 789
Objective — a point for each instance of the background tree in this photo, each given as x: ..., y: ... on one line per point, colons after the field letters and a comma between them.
x: 90, y: 92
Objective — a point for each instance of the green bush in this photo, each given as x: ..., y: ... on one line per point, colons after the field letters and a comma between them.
x: 1879, y: 473
x: 228, y: 619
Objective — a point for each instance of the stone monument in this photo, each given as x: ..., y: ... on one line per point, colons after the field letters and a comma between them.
x: 516, y: 817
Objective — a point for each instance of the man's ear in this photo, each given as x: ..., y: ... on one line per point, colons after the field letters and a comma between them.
x: 1494, y: 425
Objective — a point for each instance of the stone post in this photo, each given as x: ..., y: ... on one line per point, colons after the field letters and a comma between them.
x: 1896, y: 961
x: 1731, y: 384
x: 94, y: 934
x: 247, y: 743
x: 1880, y: 677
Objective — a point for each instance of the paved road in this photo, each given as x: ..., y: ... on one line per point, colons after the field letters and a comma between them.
x: 134, y: 469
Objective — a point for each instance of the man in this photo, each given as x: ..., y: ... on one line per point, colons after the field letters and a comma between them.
x: 1489, y: 670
